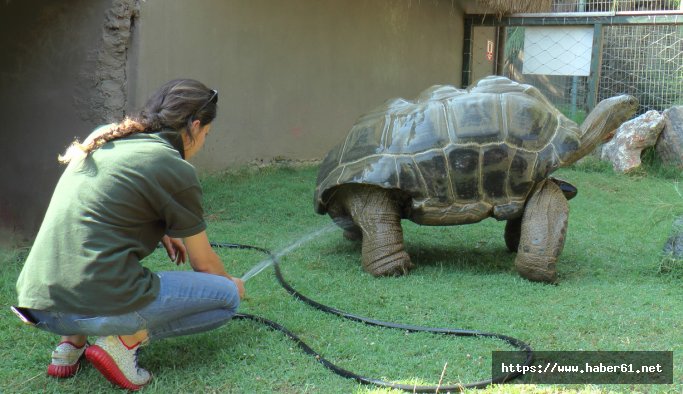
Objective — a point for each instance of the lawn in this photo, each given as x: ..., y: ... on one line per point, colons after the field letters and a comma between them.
x: 611, y: 295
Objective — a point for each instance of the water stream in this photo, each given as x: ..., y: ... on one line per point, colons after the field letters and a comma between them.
x: 263, y: 264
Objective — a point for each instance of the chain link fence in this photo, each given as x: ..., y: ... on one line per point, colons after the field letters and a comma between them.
x: 570, y: 93
x: 643, y: 60
x: 603, y: 6
x: 578, y: 59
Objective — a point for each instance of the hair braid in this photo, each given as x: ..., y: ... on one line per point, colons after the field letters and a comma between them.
x: 99, y: 137
x: 174, y: 106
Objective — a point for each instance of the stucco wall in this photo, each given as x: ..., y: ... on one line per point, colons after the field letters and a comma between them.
x: 294, y: 75
x: 47, y: 79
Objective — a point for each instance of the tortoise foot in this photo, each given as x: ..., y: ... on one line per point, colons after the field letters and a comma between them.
x: 536, y: 268
x: 394, y: 265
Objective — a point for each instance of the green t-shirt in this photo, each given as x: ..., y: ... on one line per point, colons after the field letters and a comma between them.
x: 107, y: 213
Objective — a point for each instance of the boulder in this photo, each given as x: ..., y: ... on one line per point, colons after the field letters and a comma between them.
x: 672, y: 254
x: 624, y: 150
x: 669, y: 146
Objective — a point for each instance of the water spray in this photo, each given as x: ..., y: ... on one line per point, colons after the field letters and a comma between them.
x: 263, y: 264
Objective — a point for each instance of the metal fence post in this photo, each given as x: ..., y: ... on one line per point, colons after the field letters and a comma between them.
x: 596, y: 62
x: 467, y: 53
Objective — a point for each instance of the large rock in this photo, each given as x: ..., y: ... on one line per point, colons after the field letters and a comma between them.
x: 669, y: 146
x: 672, y: 256
x: 631, y: 138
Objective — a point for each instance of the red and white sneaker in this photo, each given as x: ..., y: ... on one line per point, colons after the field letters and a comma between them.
x: 118, y: 362
x: 66, y: 360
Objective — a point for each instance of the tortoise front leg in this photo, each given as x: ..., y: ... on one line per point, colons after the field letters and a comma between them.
x: 544, y: 226
x: 377, y: 215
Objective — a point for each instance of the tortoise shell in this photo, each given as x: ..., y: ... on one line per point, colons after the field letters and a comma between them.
x: 457, y: 155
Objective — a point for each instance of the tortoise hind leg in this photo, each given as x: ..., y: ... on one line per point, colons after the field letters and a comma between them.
x: 377, y: 215
x: 344, y: 221
x: 513, y: 231
x: 544, y: 226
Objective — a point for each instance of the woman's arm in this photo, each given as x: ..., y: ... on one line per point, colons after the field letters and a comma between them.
x: 204, y: 259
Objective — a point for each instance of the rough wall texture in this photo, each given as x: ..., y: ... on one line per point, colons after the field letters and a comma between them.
x: 49, y: 54
x: 59, y: 78
x: 112, y: 60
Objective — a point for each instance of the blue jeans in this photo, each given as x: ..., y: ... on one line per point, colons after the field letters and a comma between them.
x: 188, y: 303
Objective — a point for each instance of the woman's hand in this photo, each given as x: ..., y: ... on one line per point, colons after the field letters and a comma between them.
x: 175, y: 248
x: 240, y: 286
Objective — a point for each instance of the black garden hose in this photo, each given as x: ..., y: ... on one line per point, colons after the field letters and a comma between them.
x: 516, y: 343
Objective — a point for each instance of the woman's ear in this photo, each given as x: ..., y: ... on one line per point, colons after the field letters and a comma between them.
x: 196, y: 127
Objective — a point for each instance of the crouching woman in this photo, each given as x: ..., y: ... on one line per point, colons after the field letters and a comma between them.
x: 127, y: 187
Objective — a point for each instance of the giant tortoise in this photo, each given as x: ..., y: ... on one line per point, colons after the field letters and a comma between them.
x: 457, y: 156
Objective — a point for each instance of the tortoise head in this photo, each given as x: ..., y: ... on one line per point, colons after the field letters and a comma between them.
x: 608, y: 115
x: 603, y: 121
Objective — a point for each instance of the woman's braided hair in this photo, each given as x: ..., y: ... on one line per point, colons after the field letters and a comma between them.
x: 173, y: 106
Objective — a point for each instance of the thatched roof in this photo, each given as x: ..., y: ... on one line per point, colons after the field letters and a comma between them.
x: 506, y: 7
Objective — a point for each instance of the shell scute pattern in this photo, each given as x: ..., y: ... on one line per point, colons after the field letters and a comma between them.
x: 520, y: 175
x: 364, y: 141
x: 434, y: 171
x: 566, y: 141
x: 530, y: 126
x: 464, y: 161
x: 546, y: 162
x: 408, y: 173
x: 457, y: 154
x: 476, y: 119
x: 496, y: 160
x: 419, y: 130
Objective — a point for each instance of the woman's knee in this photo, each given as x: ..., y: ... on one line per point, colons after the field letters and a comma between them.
x: 186, y: 293
x: 225, y: 289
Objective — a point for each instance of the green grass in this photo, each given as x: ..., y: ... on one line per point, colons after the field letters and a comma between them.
x: 611, y: 296
x: 577, y: 115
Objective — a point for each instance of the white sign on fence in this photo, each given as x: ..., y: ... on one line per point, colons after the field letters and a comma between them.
x: 558, y: 50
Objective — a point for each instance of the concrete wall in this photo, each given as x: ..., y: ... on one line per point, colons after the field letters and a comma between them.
x: 292, y: 75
